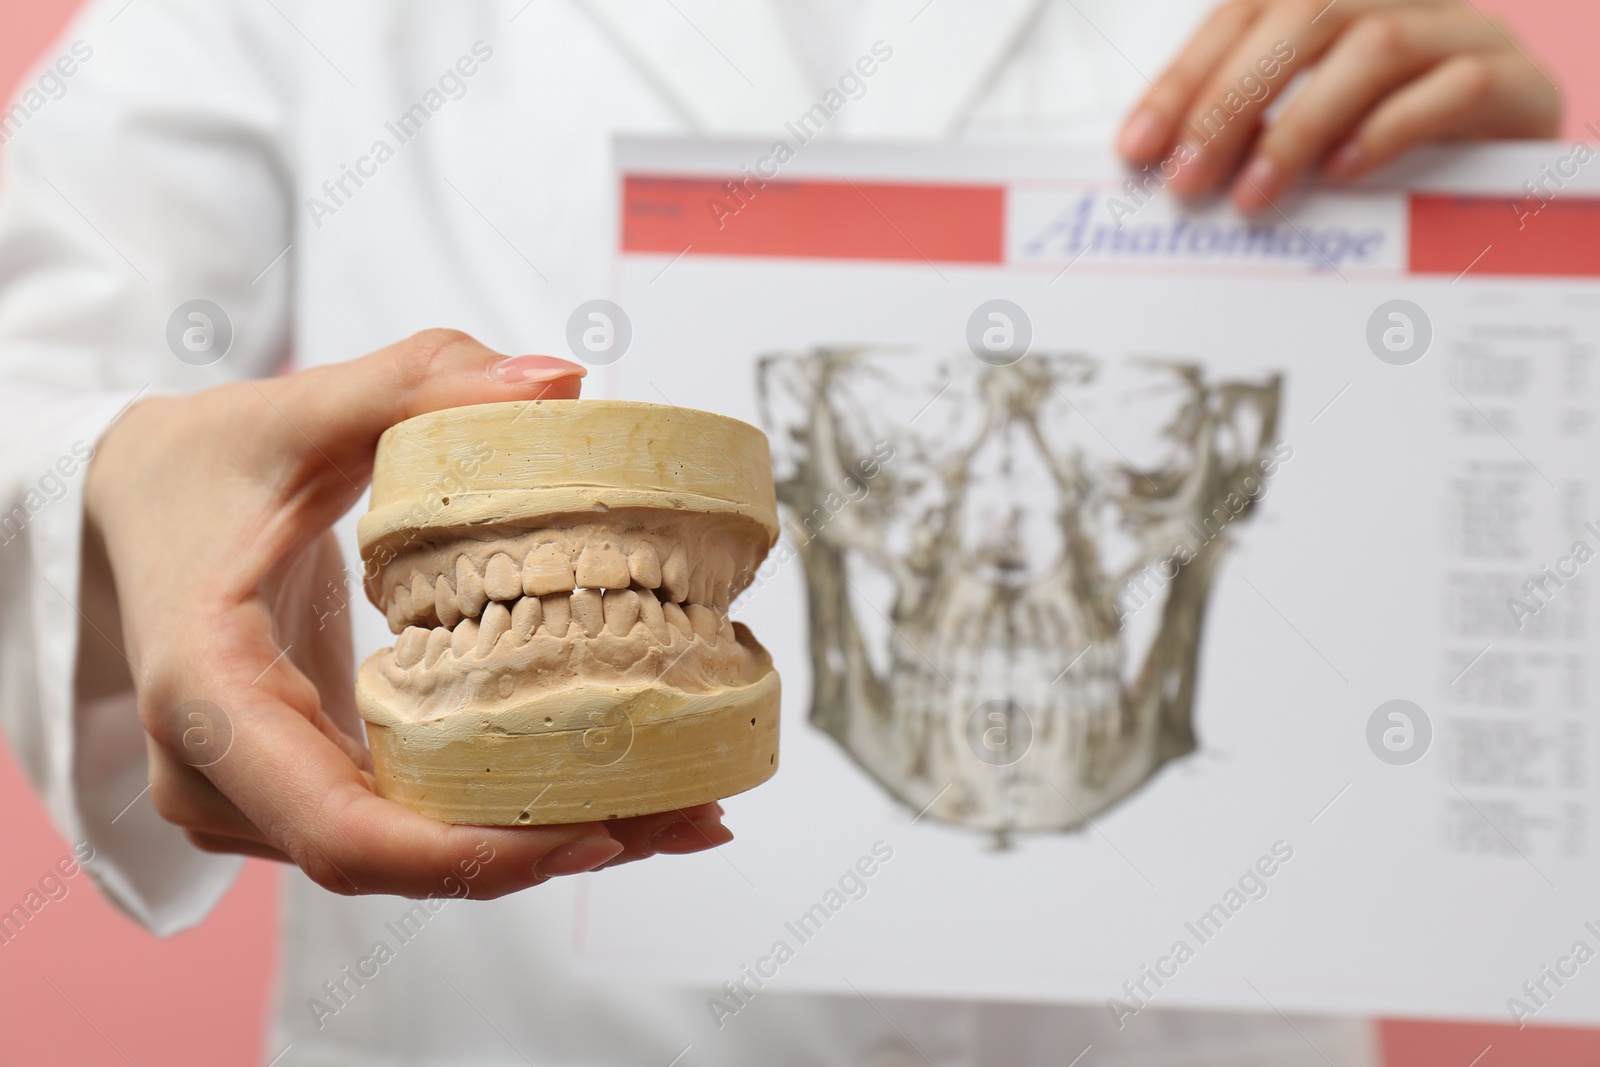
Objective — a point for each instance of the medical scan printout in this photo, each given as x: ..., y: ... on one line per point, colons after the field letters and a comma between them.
x: 1173, y: 609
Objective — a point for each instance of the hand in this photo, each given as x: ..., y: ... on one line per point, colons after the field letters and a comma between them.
x: 1383, y: 75
x: 214, y: 511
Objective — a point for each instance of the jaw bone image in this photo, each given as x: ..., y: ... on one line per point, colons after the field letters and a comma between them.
x: 558, y: 575
x: 1005, y: 606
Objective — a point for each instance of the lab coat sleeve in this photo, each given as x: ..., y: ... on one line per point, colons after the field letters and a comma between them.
x: 144, y: 165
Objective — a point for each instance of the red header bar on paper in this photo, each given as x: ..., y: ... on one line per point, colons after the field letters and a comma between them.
x: 814, y: 219
x: 897, y: 221
x: 1505, y: 235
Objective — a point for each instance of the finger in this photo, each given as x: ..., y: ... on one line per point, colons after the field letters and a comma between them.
x: 1226, y: 113
x: 1458, y: 98
x: 675, y: 832
x: 343, y: 408
x: 1379, y: 53
x: 1150, y: 129
x: 233, y: 845
x: 251, y: 624
x: 314, y: 805
x: 186, y: 798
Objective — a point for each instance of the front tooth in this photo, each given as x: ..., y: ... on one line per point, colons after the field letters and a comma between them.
x: 525, y: 619
x: 411, y: 646
x: 704, y: 621
x: 546, y: 571
x: 676, y: 618
x: 588, y: 612
x: 557, y: 611
x: 496, y: 621
x: 438, y: 641
x: 501, y: 579
x: 602, y: 567
x: 622, y: 610
x: 465, y: 637
x: 650, y: 612
x: 444, y: 604
x: 645, y: 565
x: 469, y: 588
x: 421, y: 595
x: 675, y: 574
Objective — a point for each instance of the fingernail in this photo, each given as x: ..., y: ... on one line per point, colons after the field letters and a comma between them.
x: 519, y: 370
x: 584, y: 854
x: 1257, y: 185
x: 1188, y: 169
x: 1141, y: 134
x: 1345, y: 161
x: 686, y: 836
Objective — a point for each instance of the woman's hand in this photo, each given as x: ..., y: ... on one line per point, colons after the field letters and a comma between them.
x: 214, y: 512
x: 1383, y: 75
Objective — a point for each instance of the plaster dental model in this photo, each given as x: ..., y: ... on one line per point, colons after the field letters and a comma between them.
x: 559, y: 575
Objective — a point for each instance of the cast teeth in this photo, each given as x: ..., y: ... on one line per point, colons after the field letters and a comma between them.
x: 602, y: 567
x: 645, y: 566
x: 488, y: 598
x: 502, y: 579
x: 546, y: 570
x: 583, y: 615
x: 442, y: 595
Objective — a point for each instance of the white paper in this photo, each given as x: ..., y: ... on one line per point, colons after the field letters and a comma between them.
x: 1377, y: 565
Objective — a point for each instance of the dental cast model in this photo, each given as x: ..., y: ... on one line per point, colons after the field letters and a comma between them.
x: 559, y: 574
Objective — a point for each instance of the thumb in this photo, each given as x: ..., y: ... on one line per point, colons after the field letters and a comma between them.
x: 342, y: 409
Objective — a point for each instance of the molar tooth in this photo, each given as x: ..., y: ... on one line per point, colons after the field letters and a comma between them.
x: 501, y: 579
x: 546, y: 571
x: 601, y: 566
x: 650, y: 612
x: 587, y: 611
x: 408, y: 650
x: 464, y: 638
x: 444, y: 603
x: 399, y: 607
x: 469, y: 588
x: 645, y: 565
x: 421, y: 595
x: 438, y: 641
x: 704, y: 621
x: 700, y: 585
x: 525, y: 619
x: 397, y: 617
x: 675, y: 574
x: 557, y: 614
x: 676, y: 618
x: 724, y: 626
x: 496, y: 621
x: 621, y: 610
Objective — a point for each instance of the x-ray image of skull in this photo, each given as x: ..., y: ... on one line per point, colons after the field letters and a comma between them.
x: 1007, y: 568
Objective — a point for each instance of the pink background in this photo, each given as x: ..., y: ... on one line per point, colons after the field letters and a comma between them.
x: 121, y: 996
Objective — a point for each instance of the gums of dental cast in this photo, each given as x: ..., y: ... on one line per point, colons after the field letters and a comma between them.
x: 558, y: 574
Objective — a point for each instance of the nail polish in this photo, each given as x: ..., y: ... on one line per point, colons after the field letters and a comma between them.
x: 1257, y: 184
x: 683, y: 837
x: 522, y: 370
x: 584, y: 854
x: 1344, y: 161
x: 1141, y: 135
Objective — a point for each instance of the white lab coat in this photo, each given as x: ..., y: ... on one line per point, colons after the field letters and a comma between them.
x: 177, y: 163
